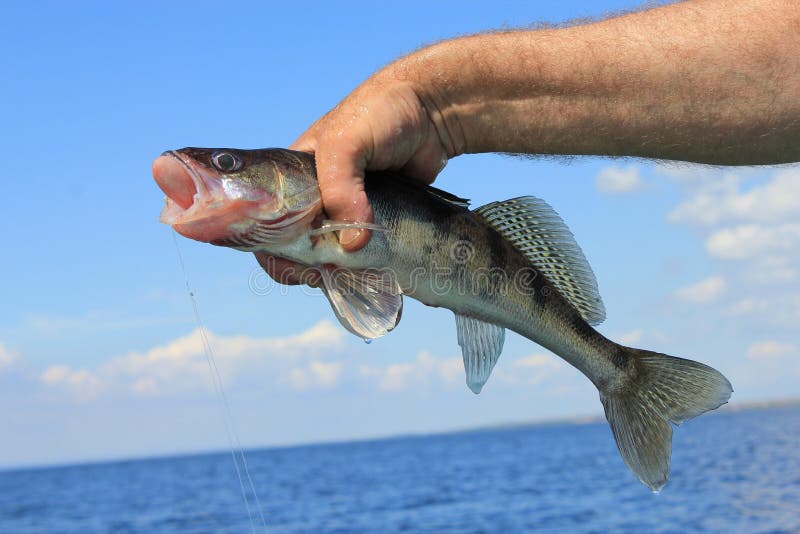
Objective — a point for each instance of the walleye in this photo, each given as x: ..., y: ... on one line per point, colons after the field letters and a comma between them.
x: 506, y: 265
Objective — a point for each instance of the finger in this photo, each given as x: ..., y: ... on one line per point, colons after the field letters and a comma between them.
x: 306, y: 142
x: 281, y: 270
x: 340, y: 171
x: 426, y: 163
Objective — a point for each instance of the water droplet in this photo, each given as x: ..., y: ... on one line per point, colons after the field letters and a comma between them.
x: 367, y: 341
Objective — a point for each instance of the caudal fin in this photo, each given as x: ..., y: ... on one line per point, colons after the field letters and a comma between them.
x: 662, y: 389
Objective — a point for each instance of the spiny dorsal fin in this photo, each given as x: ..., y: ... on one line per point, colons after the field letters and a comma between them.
x: 538, y: 232
x: 412, y: 183
x: 448, y: 197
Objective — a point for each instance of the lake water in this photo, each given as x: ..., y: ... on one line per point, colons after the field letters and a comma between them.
x: 731, y: 472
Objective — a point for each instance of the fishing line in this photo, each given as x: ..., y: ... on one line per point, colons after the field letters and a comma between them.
x: 227, y: 417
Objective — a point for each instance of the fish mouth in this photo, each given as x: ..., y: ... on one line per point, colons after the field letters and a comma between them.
x: 189, y: 189
x: 203, y: 205
x: 198, y: 205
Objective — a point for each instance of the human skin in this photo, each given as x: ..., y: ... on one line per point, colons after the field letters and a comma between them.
x: 705, y: 81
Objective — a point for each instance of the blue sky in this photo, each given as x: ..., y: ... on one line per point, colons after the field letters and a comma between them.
x: 98, y: 358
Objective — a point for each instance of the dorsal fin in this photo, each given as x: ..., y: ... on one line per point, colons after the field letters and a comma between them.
x: 401, y: 179
x: 537, y: 231
x: 447, y: 197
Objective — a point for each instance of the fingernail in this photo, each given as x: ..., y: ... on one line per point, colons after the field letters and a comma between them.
x: 349, y: 235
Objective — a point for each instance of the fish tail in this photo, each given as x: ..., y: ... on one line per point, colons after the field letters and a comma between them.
x: 658, y: 390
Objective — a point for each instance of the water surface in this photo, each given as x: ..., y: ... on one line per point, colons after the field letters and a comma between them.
x: 731, y: 472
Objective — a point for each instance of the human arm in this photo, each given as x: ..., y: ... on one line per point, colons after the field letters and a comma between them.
x: 710, y: 81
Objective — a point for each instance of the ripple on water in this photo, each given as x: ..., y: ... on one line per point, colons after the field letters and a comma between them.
x: 730, y: 472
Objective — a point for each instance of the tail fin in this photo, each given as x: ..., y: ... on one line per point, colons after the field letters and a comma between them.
x: 661, y: 389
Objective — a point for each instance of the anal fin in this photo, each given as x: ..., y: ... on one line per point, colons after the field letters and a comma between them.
x: 481, y: 344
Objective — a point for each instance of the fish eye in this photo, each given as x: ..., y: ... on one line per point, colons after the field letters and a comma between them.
x: 226, y: 162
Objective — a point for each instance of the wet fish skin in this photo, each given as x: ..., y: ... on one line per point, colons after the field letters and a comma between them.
x: 442, y: 254
x: 426, y: 232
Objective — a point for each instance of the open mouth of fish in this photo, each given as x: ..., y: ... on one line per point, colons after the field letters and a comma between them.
x: 206, y: 206
x: 202, y: 205
x: 194, y: 192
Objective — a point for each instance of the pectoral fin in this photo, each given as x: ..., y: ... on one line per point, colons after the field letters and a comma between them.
x: 481, y: 344
x: 368, y: 303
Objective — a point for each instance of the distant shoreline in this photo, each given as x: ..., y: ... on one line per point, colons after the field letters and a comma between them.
x: 562, y: 421
x: 592, y: 419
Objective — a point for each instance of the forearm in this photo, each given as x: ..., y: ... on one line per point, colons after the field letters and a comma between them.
x: 710, y: 81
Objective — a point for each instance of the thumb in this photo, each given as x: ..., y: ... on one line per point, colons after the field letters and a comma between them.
x: 340, y: 173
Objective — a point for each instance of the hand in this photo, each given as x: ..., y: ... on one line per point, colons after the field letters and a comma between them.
x: 383, y: 124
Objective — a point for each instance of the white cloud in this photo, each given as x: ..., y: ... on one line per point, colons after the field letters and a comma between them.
x: 424, y: 369
x: 707, y: 187
x: 538, y: 361
x: 427, y: 370
x: 7, y: 357
x: 145, y: 386
x: 752, y: 240
x: 773, y: 269
x: 776, y: 308
x: 750, y: 219
x: 631, y: 338
x: 181, y: 363
x: 639, y: 336
x: 85, y: 384
x: 747, y: 306
x: 398, y: 377
x: 530, y: 370
x: 451, y: 370
x: 691, y: 175
x: 325, y: 374
x: 721, y: 198
x: 707, y: 290
x: 751, y: 216
x: 314, y: 375
x: 769, y: 350
x: 616, y: 180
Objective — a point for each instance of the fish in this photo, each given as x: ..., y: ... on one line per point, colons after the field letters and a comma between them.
x: 508, y: 265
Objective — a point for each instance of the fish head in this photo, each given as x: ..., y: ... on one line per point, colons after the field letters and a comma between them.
x: 245, y: 199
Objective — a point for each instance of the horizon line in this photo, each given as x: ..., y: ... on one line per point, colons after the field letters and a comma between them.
x: 573, y: 420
